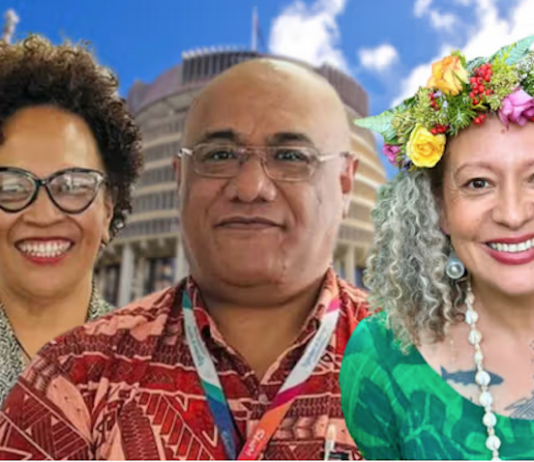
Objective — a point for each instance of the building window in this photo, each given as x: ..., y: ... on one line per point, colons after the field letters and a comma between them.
x: 157, y: 176
x: 163, y: 127
x: 350, y: 233
x: 108, y: 283
x: 151, y: 227
x: 163, y: 151
x: 359, y: 212
x: 359, y: 277
x: 160, y: 275
x: 165, y: 200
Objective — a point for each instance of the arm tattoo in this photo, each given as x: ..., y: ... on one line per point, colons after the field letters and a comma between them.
x: 522, y: 409
x: 468, y: 377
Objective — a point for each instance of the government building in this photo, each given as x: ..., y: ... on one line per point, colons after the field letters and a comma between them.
x: 148, y: 255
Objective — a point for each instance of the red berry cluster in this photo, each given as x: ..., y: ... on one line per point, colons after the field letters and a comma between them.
x: 479, y: 82
x: 439, y: 129
x: 480, y: 119
x: 433, y: 102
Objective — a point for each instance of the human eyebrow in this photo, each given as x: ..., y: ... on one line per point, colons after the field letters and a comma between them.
x: 289, y: 137
x: 468, y: 165
x: 219, y: 135
x: 483, y: 165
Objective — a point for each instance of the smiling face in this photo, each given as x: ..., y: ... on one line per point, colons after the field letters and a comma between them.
x: 43, y: 250
x: 488, y: 205
x: 251, y: 230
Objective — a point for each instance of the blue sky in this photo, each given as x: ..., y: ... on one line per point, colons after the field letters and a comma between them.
x: 387, y: 45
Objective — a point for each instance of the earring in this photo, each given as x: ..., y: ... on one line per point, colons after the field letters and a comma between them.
x: 454, y: 268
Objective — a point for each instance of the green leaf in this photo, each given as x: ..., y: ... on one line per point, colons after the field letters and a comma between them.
x: 474, y: 63
x: 382, y: 123
x: 409, y: 102
x: 461, y: 56
x: 515, y: 52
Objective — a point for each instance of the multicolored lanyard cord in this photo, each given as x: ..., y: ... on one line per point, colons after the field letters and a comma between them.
x: 290, y: 390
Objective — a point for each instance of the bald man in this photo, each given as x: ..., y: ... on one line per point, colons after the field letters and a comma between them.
x: 241, y: 359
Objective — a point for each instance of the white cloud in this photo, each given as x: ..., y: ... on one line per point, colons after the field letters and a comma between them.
x: 490, y: 32
x: 442, y: 20
x: 495, y: 31
x: 309, y: 33
x: 378, y: 59
x: 421, y: 7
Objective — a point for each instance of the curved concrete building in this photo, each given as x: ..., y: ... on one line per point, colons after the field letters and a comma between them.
x: 148, y: 255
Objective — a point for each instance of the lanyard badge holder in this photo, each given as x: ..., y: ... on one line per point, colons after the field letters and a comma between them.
x: 289, y: 391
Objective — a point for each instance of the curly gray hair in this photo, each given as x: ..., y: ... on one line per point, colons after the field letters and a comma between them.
x: 406, y: 266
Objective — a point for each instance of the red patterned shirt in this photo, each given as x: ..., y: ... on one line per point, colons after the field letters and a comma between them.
x: 125, y: 387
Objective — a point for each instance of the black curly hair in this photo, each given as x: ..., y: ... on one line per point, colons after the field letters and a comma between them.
x: 35, y: 72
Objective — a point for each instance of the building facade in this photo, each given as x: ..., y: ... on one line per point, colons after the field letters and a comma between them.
x: 148, y: 254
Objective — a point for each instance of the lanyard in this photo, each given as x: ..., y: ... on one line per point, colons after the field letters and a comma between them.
x: 290, y: 390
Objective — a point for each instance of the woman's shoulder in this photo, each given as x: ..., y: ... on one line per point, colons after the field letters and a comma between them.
x: 371, y: 395
x: 371, y: 336
x: 374, y: 345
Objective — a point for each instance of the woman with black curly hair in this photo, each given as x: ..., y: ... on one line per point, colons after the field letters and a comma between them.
x: 69, y: 154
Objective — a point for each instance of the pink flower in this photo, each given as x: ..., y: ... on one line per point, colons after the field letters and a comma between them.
x: 517, y: 107
x: 391, y: 151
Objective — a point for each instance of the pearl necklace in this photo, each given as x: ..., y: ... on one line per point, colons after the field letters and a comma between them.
x: 482, y: 378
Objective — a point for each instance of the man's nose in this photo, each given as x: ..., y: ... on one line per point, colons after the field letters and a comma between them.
x: 252, y: 182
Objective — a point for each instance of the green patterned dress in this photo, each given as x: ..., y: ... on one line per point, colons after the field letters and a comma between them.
x: 397, y: 407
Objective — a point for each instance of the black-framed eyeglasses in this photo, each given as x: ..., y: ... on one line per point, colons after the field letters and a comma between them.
x: 281, y: 163
x: 71, y: 190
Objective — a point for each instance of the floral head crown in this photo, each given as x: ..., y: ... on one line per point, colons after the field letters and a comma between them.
x: 457, y: 94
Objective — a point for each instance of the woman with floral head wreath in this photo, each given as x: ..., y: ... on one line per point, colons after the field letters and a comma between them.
x: 445, y: 370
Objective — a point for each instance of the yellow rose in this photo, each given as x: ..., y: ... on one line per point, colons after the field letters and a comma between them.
x: 448, y: 75
x: 425, y: 149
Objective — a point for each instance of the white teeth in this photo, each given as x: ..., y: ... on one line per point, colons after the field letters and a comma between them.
x: 51, y: 249
x: 513, y: 248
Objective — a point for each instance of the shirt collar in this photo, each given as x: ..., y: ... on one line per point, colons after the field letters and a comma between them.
x: 330, y: 290
x: 206, y: 324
